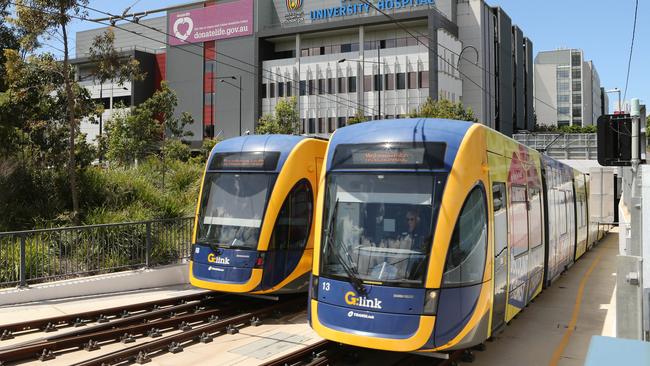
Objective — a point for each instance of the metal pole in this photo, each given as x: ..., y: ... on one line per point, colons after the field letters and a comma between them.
x: 101, y: 118
x: 147, y: 254
x: 240, y: 95
x: 23, y: 262
x: 636, y: 117
x: 380, y: 77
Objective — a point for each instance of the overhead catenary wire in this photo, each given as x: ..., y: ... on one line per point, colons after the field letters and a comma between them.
x: 629, y: 62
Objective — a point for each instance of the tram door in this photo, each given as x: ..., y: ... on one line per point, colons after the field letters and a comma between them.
x: 500, y: 254
x: 498, y: 177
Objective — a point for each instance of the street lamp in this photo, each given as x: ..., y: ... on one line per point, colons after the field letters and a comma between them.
x: 224, y: 79
x: 616, y: 90
x: 460, y: 56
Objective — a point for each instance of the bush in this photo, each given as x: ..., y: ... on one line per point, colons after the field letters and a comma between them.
x: 176, y: 150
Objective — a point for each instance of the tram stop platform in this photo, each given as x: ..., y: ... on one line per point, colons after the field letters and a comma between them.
x: 554, y: 330
x: 558, y: 327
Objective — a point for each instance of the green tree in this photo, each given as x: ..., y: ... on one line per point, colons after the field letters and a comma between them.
x: 36, y: 18
x: 358, y: 117
x: 8, y: 41
x: 134, y: 134
x: 285, y: 121
x: 443, y: 108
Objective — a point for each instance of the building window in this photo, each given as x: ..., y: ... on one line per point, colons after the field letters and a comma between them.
x: 412, y: 80
x: 577, y: 98
x: 321, y: 122
x: 281, y: 90
x: 302, y: 125
x: 576, y: 73
x: 272, y: 90
x: 312, y: 87
x: 304, y: 52
x: 341, y: 86
x: 289, y: 89
x: 401, y: 81
x: 424, y: 79
x: 367, y: 83
x: 390, y: 82
x: 352, y: 84
x: 341, y: 122
x: 378, y: 83
x: 303, y: 87
x: 312, y: 125
x: 577, y: 112
x: 563, y: 98
x: 346, y: 48
x: 314, y: 51
x: 321, y: 86
x: 401, y: 42
x: 264, y: 91
x: 562, y: 74
x: 370, y: 45
x: 575, y: 59
x: 563, y: 123
x: 330, y: 86
x: 331, y: 126
x: 577, y: 85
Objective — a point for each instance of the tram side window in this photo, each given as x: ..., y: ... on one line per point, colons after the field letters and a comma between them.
x: 562, y: 208
x: 518, y: 220
x: 535, y: 218
x: 467, y: 251
x: 293, y: 224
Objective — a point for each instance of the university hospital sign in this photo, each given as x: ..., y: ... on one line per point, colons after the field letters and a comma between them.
x: 296, y: 14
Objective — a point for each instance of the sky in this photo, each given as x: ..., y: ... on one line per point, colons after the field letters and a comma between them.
x: 602, y: 28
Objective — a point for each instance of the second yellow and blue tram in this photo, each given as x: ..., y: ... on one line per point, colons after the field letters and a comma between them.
x: 253, y: 229
x: 431, y: 234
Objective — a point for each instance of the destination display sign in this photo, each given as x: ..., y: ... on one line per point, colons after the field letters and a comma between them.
x: 256, y: 160
x: 430, y: 156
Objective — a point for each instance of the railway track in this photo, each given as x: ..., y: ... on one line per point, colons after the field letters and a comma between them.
x: 199, y: 319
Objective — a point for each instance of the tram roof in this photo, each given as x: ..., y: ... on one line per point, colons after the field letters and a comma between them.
x: 414, y: 130
x: 283, y: 144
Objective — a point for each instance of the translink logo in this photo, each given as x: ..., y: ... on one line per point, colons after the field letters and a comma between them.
x: 364, y: 302
x: 217, y: 260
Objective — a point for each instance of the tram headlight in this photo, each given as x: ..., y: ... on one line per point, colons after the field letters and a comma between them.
x: 314, y: 287
x: 431, y: 302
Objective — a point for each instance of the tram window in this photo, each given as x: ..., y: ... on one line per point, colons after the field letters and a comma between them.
x: 383, y: 226
x: 232, y: 208
x: 468, y: 247
x: 293, y: 224
x: 518, y: 220
x: 562, y: 208
x: 535, y: 218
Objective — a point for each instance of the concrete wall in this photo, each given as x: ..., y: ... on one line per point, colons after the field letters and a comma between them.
x: 226, y: 111
x: 546, y: 94
x: 185, y: 77
x: 98, y: 285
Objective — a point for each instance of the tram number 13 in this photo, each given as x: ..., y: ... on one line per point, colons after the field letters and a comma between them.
x: 326, y: 286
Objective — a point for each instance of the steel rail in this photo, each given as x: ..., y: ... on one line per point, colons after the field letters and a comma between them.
x: 53, y: 323
x: 91, y: 341
x: 148, y: 317
x: 174, y: 343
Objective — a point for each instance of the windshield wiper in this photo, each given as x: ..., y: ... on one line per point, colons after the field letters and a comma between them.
x: 352, y: 273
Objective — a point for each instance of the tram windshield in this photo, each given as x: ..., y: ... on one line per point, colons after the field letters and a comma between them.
x: 379, y: 227
x: 232, y: 208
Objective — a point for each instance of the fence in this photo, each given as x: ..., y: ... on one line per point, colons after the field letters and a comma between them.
x: 570, y: 146
x: 53, y: 254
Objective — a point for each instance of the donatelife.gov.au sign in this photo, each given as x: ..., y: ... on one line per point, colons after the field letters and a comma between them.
x: 227, y: 20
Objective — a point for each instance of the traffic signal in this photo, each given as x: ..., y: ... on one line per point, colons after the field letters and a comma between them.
x: 615, y: 140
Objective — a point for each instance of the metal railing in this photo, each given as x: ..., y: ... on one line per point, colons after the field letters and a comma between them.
x: 33, y: 256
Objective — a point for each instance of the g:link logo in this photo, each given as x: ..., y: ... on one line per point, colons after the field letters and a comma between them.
x: 218, y: 260
x: 364, y: 302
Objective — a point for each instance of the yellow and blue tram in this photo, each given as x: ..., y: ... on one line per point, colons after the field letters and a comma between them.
x: 253, y: 230
x: 431, y: 234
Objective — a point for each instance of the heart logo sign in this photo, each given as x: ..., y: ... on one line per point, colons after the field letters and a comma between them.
x: 183, y: 28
